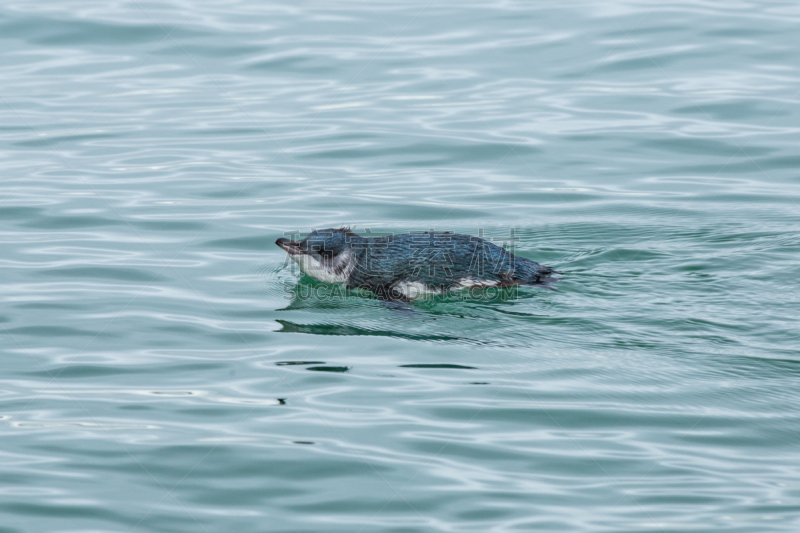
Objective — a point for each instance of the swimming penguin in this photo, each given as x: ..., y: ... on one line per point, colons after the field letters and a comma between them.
x: 409, y: 266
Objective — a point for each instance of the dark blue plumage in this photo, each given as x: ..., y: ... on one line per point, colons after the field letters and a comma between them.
x: 407, y: 266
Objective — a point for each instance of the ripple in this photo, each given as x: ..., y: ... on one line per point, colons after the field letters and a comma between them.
x: 158, y: 342
x: 431, y: 365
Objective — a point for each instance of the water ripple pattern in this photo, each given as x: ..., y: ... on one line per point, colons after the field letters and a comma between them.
x: 165, y: 369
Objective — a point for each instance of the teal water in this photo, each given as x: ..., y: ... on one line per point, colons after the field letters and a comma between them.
x: 164, y: 370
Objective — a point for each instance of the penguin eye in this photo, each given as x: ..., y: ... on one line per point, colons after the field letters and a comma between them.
x: 327, y: 254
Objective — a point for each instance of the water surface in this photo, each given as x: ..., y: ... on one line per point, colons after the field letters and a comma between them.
x: 165, y: 370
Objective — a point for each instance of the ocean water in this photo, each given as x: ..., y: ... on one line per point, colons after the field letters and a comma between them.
x: 164, y: 369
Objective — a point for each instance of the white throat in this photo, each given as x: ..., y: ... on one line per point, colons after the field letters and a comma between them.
x: 337, y: 270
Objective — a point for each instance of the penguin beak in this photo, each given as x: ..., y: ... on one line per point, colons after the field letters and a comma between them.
x: 291, y: 247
